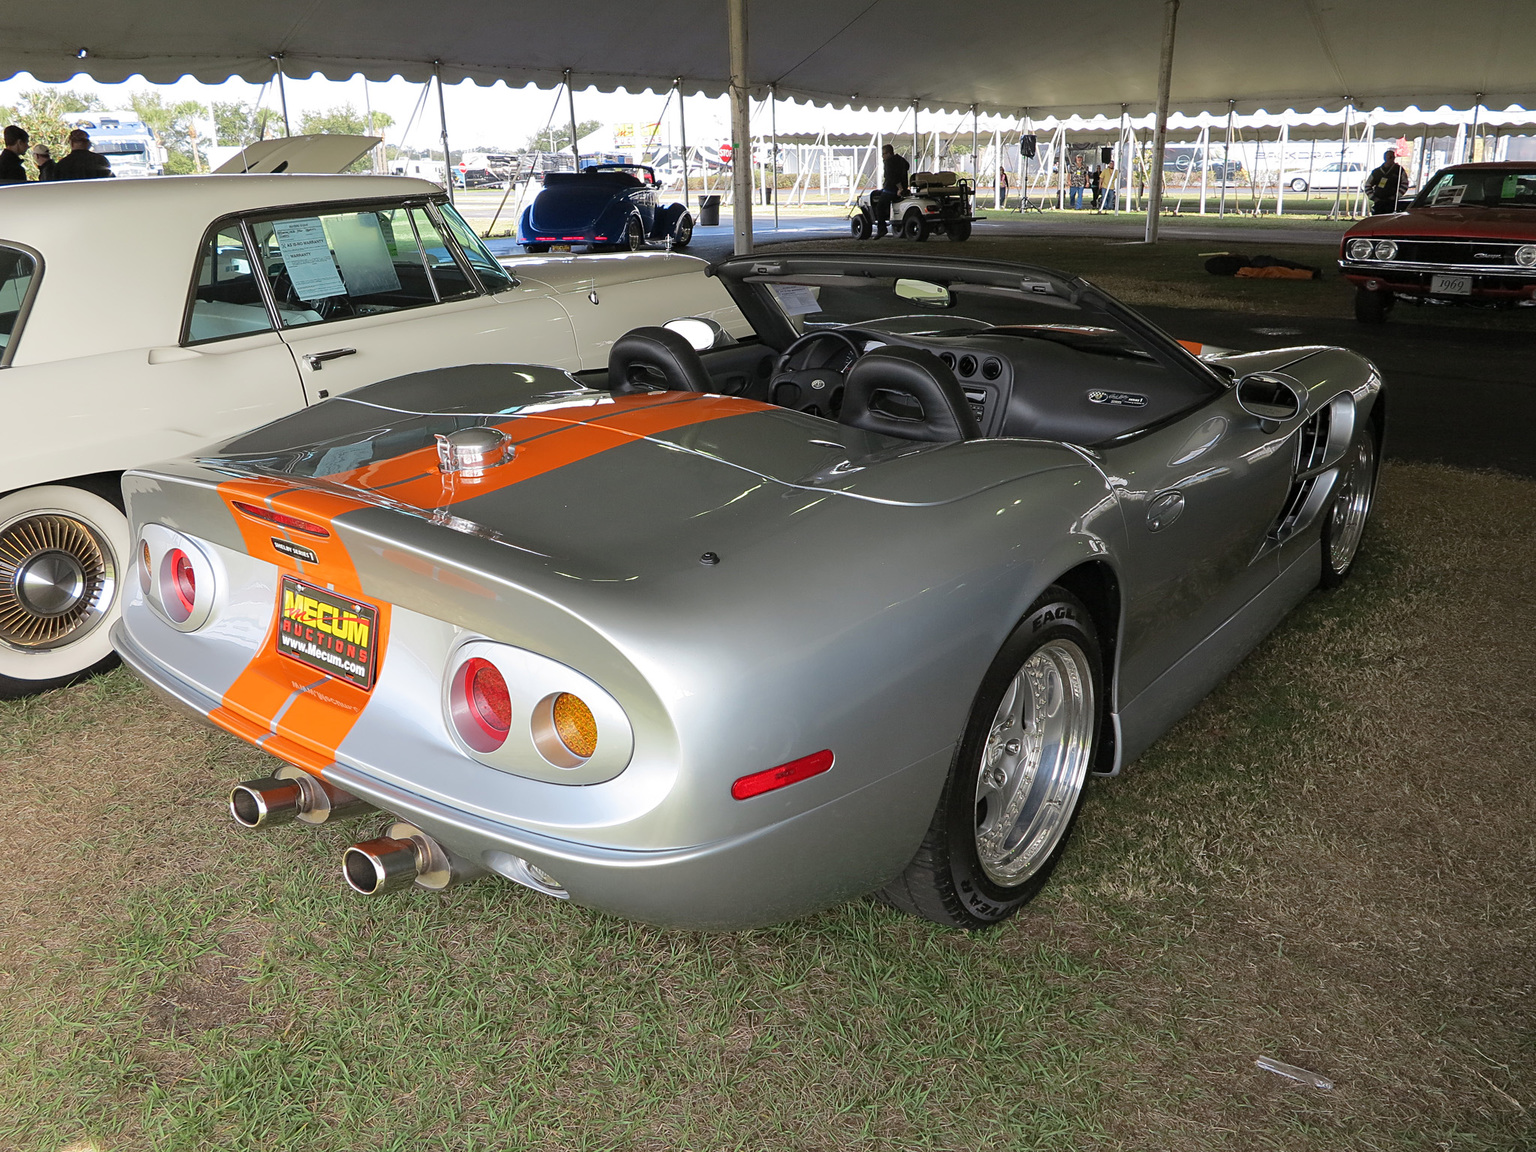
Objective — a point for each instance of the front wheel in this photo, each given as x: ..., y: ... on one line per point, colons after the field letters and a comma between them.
x: 1372, y: 307
x: 63, y: 551
x: 634, y: 235
x: 860, y: 226
x: 1013, y: 789
x: 1350, y: 508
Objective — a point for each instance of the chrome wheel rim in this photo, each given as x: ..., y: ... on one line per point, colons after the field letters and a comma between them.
x: 1352, y: 506
x: 57, y: 579
x: 1034, y: 762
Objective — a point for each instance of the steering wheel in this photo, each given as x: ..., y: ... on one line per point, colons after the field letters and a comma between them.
x: 818, y: 391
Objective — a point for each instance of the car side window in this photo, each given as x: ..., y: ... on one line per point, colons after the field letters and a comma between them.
x: 16, y: 272
x: 492, y: 275
x: 450, y: 277
x: 336, y: 265
x: 227, y: 301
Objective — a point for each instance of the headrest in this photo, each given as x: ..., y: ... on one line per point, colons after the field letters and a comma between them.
x: 909, y: 393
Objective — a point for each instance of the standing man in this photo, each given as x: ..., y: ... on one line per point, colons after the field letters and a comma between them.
x: 893, y: 184
x: 16, y: 141
x: 1385, y: 184
x: 81, y: 163
x: 43, y: 159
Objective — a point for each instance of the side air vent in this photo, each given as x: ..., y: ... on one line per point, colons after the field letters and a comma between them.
x: 1310, y: 450
x: 992, y: 368
x: 967, y: 366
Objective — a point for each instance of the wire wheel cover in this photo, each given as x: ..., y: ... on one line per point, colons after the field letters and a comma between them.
x: 55, y: 579
x: 1034, y: 762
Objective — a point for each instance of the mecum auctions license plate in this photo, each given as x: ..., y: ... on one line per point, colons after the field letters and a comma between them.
x: 1451, y: 285
x: 329, y: 633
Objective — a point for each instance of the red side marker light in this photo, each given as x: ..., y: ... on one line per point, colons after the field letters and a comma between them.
x: 782, y: 776
x: 281, y: 519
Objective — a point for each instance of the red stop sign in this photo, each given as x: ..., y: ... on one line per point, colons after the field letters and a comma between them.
x: 725, y: 153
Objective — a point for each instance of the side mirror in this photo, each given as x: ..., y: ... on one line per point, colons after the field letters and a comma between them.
x: 701, y: 333
x: 1271, y: 397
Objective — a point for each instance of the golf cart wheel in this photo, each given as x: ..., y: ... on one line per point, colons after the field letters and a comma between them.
x: 1372, y: 307
x: 1298, y: 185
x: 860, y: 226
x: 682, y: 231
x: 913, y: 226
x: 960, y: 230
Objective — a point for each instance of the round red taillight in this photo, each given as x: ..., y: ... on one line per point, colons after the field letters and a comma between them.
x: 178, y: 585
x: 481, y: 705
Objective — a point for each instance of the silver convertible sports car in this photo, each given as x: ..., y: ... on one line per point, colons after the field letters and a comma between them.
x: 739, y: 628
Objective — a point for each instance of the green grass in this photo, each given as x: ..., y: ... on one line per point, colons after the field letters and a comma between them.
x: 1326, y: 862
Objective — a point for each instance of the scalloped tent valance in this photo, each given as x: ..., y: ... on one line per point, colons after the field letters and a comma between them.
x: 1000, y: 55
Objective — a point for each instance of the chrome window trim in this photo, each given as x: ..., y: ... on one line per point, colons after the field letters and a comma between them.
x: 26, y: 304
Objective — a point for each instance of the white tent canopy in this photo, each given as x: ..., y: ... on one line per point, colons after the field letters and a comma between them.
x: 1000, y: 55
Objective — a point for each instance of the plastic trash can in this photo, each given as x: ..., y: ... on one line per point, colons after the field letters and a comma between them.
x: 709, y: 211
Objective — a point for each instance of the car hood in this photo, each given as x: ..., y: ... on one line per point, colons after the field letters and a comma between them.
x: 593, y: 473
x: 569, y: 208
x: 1489, y: 223
x: 323, y: 153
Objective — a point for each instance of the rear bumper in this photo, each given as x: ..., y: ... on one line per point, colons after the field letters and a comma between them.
x: 784, y: 869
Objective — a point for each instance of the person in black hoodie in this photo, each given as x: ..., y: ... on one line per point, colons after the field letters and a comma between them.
x: 81, y: 163
x: 16, y: 141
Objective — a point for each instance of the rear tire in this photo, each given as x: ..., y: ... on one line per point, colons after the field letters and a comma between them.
x: 861, y: 226
x: 682, y: 231
x: 960, y: 230
x: 634, y: 235
x: 1011, y: 799
x: 63, y: 557
x: 1372, y: 307
x: 1298, y: 185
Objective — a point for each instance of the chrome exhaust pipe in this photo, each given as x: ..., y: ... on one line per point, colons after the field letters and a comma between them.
x: 292, y: 794
x: 403, y: 855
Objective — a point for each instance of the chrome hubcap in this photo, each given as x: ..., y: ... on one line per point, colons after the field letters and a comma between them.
x: 1034, y: 763
x: 1352, y: 506
x: 56, y: 580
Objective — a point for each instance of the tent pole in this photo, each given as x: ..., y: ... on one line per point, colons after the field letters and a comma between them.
x: 1472, y: 135
x: 1285, y: 140
x: 1160, y: 129
x: 741, y: 129
x: 1338, y: 195
x: 442, y: 120
x: 570, y: 104
x: 773, y: 114
x: 914, y: 133
x: 1205, y: 165
x: 682, y: 132
x: 282, y: 94
x: 1226, y: 160
x: 1370, y: 144
x: 975, y: 172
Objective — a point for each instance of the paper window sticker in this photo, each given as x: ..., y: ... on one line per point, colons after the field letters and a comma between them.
x: 1450, y: 197
x: 307, y: 258
x: 796, y: 299
x: 366, y: 265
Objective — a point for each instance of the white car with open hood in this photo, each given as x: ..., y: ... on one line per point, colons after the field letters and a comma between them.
x: 141, y: 319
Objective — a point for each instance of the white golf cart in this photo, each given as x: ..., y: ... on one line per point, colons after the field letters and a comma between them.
x: 936, y: 202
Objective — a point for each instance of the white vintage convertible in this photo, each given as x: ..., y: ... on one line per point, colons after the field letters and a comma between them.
x: 143, y: 319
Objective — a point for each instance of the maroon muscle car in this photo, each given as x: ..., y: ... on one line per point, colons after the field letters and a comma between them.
x: 1469, y: 237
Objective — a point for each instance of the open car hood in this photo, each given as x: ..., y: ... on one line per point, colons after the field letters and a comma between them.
x: 323, y: 154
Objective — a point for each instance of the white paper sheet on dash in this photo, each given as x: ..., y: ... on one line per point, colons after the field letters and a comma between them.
x: 796, y: 299
x: 307, y: 257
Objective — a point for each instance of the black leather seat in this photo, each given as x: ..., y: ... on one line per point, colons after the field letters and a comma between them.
x: 908, y: 393
x: 647, y: 359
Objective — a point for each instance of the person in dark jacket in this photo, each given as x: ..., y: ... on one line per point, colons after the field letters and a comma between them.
x: 1385, y: 184
x: 43, y: 161
x: 11, y: 169
x: 81, y: 163
x: 893, y: 184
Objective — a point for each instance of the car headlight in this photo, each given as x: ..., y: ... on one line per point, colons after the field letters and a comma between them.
x: 1386, y: 250
x: 1358, y: 249
x: 1525, y: 255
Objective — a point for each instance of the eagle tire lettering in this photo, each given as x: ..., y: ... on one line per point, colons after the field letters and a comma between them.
x: 1050, y: 615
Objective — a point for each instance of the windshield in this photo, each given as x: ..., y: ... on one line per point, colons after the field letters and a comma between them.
x: 1480, y: 188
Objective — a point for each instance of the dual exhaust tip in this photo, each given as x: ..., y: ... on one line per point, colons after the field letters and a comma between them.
x: 404, y: 855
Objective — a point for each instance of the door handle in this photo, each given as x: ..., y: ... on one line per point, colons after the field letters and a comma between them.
x: 316, y: 360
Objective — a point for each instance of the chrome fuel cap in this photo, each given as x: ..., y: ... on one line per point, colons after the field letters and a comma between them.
x: 471, y: 451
